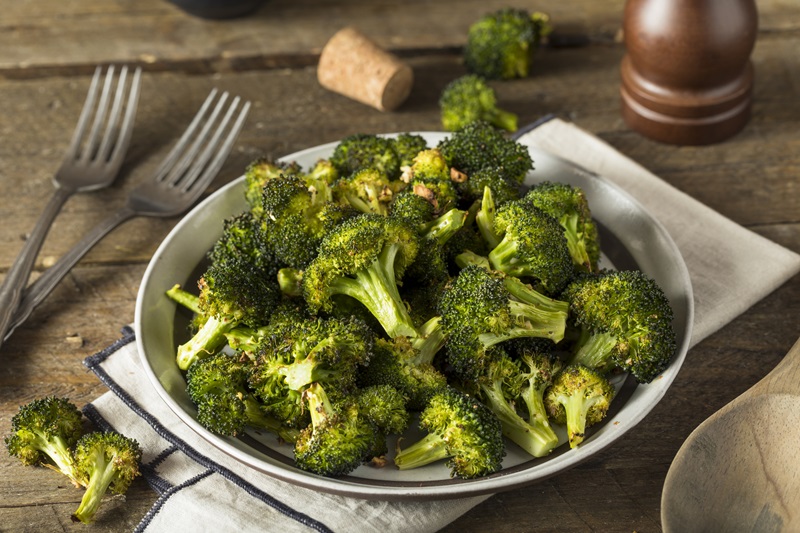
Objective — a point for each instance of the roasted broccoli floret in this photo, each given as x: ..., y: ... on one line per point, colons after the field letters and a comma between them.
x: 501, y: 45
x: 503, y: 386
x: 533, y: 246
x: 396, y: 363
x: 233, y: 291
x: 411, y: 207
x: 385, y: 407
x: 407, y: 146
x: 364, y: 258
x: 470, y: 98
x: 293, y: 355
x: 104, y: 461
x: 338, y: 439
x: 479, y: 145
x: 217, y: 386
x: 480, y: 309
x: 568, y: 204
x: 364, y: 150
x: 367, y: 190
x: 44, y: 432
x: 319, y: 180
x: 579, y: 397
x: 295, y: 220
x: 625, y: 322
x: 460, y: 429
x: 258, y: 173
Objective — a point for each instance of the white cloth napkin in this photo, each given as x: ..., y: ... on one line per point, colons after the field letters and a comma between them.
x: 201, y: 487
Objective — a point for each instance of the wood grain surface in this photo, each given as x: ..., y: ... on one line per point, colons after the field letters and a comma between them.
x: 48, y: 49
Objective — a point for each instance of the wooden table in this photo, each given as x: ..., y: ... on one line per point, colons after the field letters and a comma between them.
x: 49, y: 48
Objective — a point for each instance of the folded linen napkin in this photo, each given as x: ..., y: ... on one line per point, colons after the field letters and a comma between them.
x: 199, y: 485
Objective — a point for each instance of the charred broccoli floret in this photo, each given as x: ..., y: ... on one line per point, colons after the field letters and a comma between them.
x: 501, y: 45
x: 367, y: 190
x: 470, y: 98
x: 407, y: 146
x: 258, y: 173
x: 364, y: 258
x: 480, y: 309
x: 479, y: 145
x: 364, y: 150
x: 338, y: 439
x: 532, y: 246
x: 579, y: 397
x: 217, y: 386
x: 460, y: 429
x: 568, y: 204
x: 44, y: 432
x: 625, y: 322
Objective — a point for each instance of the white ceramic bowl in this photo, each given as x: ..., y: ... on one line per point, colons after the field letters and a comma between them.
x: 630, y: 238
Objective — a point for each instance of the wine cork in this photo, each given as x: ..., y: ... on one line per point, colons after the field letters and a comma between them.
x: 353, y: 65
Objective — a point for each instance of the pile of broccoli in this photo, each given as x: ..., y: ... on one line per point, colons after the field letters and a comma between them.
x: 49, y: 432
x: 397, y: 282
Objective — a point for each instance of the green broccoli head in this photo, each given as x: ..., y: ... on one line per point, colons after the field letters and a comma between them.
x: 481, y: 308
x: 416, y: 210
x: 338, y: 439
x: 385, y: 407
x: 364, y: 150
x: 478, y: 145
x: 364, y: 258
x: 367, y: 190
x: 258, y: 173
x: 579, y: 397
x: 44, y: 431
x: 460, y: 429
x: 470, y: 98
x: 407, y: 146
x: 501, y: 45
x: 105, y: 461
x: 625, y: 321
x: 568, y: 204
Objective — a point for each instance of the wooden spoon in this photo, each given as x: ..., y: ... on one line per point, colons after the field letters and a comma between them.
x: 740, y: 469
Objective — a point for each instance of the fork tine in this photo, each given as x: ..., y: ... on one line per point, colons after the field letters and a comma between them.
x: 127, y: 122
x: 202, y: 172
x: 110, y: 133
x: 176, y: 173
x: 102, y: 109
x: 174, y: 154
x: 86, y: 113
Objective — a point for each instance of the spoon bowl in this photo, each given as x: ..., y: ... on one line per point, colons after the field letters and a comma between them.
x: 740, y: 469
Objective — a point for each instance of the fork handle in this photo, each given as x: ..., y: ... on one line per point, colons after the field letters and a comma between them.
x: 17, y: 277
x: 44, y: 285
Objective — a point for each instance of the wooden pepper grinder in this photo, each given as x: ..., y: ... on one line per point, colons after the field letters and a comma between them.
x: 687, y: 77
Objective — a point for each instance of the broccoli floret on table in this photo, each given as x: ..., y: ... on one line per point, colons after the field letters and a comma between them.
x: 461, y: 430
x: 532, y: 246
x: 44, y: 432
x: 470, y: 98
x: 579, y: 397
x: 568, y: 204
x: 625, y: 322
x: 105, y: 461
x: 481, y: 308
x: 501, y: 45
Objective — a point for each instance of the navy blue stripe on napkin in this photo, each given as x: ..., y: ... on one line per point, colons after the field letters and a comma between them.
x: 94, y: 362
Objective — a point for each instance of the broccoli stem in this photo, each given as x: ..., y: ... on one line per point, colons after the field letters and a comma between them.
x: 534, y: 437
x: 376, y: 287
x: 290, y: 281
x: 442, y: 228
x: 429, y: 341
x: 258, y: 419
x: 577, y: 409
x: 102, y: 476
x: 503, y: 119
x: 594, y: 350
x: 485, y: 219
x: 575, y: 243
x: 526, y: 294
x: 207, y: 341
x: 505, y: 258
x: 185, y: 298
x: 468, y: 258
x: 429, y: 449
x: 58, y: 450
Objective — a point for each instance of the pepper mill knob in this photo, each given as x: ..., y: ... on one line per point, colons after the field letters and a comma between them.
x: 687, y: 77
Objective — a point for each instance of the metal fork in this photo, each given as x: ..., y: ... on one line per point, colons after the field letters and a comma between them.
x: 92, y: 161
x: 180, y: 180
